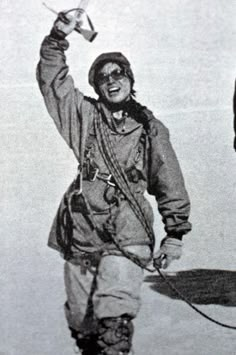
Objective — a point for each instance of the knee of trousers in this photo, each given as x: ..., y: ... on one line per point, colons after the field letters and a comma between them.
x: 118, y: 287
x: 78, y: 290
x: 114, y: 335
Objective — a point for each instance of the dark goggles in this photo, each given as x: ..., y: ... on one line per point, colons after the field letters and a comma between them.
x: 116, y: 74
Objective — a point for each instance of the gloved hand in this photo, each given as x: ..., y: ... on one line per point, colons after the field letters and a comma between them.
x: 170, y: 249
x: 64, y: 24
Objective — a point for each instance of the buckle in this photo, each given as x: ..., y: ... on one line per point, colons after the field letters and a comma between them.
x: 107, y: 178
x: 93, y: 173
x: 109, y: 182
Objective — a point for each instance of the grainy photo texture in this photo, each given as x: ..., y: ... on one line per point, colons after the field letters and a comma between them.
x: 118, y: 177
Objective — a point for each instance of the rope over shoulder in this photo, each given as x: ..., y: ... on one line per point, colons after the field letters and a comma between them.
x: 107, y: 151
x: 104, y: 142
x: 108, y: 154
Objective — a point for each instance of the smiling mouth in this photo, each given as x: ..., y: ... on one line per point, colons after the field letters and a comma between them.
x: 113, y: 90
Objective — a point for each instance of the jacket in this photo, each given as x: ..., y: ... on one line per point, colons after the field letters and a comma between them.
x: 150, y: 151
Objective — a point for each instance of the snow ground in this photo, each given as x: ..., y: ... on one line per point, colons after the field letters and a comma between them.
x: 184, y: 62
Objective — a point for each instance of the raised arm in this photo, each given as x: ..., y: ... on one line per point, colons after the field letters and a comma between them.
x: 64, y: 103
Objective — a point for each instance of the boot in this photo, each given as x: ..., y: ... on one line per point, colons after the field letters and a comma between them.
x: 115, y: 336
x: 85, y: 343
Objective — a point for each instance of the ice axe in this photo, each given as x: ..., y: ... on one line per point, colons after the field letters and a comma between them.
x: 90, y: 34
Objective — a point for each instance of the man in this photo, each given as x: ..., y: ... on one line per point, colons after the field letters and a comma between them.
x: 103, y: 227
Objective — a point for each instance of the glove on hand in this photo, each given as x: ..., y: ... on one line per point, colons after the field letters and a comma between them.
x: 64, y: 24
x: 170, y: 249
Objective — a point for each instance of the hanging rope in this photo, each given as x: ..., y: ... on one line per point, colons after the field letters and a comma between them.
x: 107, y: 150
x: 170, y: 284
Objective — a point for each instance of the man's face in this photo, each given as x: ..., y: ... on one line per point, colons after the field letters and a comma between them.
x: 114, y: 86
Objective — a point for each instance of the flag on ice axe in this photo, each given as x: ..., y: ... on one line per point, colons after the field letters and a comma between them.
x: 80, y: 13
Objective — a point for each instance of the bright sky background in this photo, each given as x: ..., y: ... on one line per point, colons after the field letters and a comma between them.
x: 182, y: 51
x: 183, y: 56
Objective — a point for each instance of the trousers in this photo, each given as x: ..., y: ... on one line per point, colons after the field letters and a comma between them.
x: 113, y: 289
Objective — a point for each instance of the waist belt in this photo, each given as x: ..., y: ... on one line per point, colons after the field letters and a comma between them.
x: 87, y: 261
x: 91, y: 174
x: 94, y: 173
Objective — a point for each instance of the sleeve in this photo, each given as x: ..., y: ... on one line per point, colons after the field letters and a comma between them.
x: 64, y: 103
x: 166, y: 183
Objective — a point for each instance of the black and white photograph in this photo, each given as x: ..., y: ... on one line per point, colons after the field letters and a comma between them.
x: 118, y: 177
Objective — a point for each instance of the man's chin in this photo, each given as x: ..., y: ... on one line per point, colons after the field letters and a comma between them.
x: 116, y: 101
x: 116, y: 106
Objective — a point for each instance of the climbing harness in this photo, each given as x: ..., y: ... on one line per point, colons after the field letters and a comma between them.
x: 104, y: 142
x: 119, y: 179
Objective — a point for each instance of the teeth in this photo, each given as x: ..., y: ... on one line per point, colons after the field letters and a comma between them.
x: 113, y: 89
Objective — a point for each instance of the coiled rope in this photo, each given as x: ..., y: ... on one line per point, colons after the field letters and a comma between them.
x: 109, y: 156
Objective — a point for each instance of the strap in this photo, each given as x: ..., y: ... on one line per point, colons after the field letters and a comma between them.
x: 108, y: 153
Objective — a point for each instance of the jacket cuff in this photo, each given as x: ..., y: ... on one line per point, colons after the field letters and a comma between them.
x: 55, y: 41
x: 178, y: 236
x: 56, y: 34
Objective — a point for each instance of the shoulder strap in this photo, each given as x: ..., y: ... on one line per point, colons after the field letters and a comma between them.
x: 84, y: 132
x: 142, y: 115
x: 108, y: 153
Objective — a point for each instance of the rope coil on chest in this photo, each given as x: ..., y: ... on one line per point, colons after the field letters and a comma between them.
x: 107, y: 151
x: 122, y: 182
